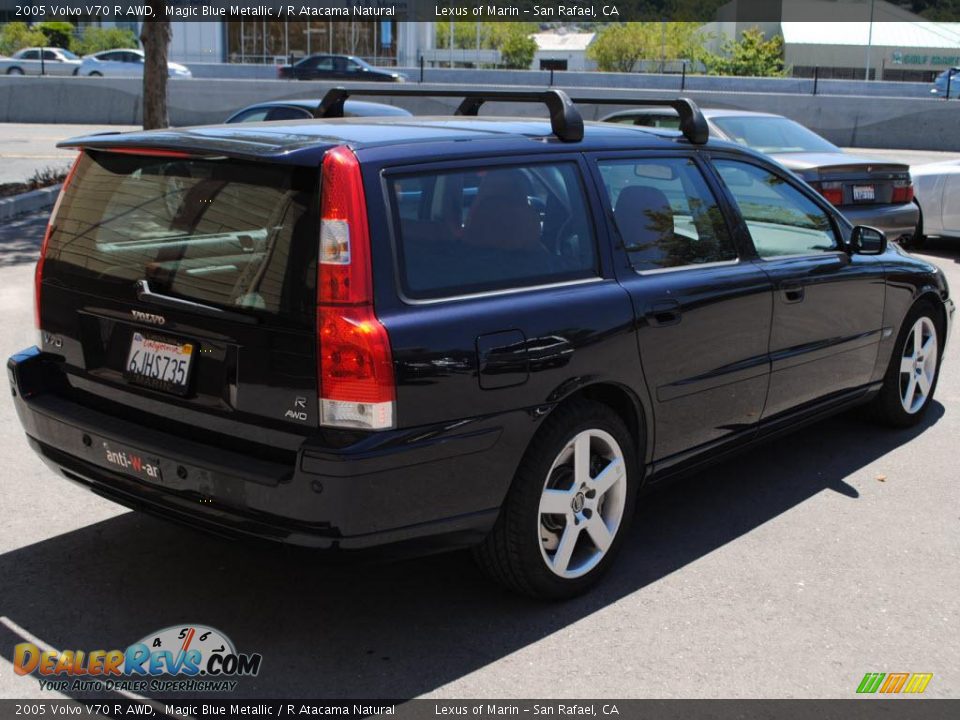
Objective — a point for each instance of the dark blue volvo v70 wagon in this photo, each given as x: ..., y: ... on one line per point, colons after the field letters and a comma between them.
x: 450, y: 331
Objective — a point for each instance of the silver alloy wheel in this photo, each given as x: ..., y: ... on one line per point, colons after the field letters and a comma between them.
x: 582, y: 503
x: 918, y: 365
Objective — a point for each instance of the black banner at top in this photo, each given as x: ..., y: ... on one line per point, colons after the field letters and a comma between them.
x: 534, y: 11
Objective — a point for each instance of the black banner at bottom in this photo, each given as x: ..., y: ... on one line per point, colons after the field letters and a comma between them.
x: 855, y: 709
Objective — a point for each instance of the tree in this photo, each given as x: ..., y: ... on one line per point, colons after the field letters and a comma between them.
x: 751, y: 56
x: 464, y: 35
x: 512, y: 39
x: 18, y: 35
x: 57, y: 34
x: 95, y: 39
x: 515, y: 44
x: 618, y: 48
x: 155, y: 37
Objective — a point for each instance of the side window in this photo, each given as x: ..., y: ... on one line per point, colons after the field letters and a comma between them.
x: 665, y: 213
x: 252, y: 115
x: 285, y: 112
x: 50, y: 55
x: 324, y: 63
x: 30, y: 55
x: 781, y: 219
x: 492, y: 228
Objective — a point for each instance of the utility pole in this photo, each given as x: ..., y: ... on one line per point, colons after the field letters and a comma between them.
x: 869, y: 41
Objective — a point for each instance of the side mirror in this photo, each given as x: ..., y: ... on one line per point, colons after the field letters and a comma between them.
x: 866, y: 240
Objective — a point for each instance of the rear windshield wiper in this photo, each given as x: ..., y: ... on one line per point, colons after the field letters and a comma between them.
x: 145, y: 294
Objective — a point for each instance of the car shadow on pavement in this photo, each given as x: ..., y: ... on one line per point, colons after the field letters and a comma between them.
x: 391, y: 630
x: 20, y: 239
x: 940, y: 249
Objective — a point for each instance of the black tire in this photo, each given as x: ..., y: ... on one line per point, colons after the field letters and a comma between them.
x: 95, y: 74
x: 14, y: 71
x: 887, y: 407
x: 511, y: 553
x: 917, y: 239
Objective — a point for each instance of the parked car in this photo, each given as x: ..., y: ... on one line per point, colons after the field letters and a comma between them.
x: 497, y: 342
x: 337, y: 67
x: 34, y: 61
x: 123, y: 63
x: 868, y: 191
x: 938, y: 197
x: 949, y: 77
x: 303, y: 109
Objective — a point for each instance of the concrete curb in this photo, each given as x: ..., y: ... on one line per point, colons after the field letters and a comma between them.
x: 28, y: 202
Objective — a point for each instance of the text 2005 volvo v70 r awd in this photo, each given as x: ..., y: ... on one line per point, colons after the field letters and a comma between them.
x: 454, y: 331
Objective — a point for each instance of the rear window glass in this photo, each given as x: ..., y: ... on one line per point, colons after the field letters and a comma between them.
x: 215, y: 231
x: 483, y: 229
x: 773, y: 134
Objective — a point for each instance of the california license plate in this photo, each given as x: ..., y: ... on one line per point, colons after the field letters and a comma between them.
x: 159, y: 364
x: 864, y: 192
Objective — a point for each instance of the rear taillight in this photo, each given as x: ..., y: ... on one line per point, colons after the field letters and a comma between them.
x: 832, y: 191
x: 355, y: 364
x: 902, y: 191
x: 51, y: 223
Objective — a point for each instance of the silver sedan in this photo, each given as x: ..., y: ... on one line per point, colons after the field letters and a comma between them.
x: 123, y: 63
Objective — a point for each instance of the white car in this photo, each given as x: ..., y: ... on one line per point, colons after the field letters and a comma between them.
x: 937, y: 192
x: 123, y: 63
x: 40, y: 61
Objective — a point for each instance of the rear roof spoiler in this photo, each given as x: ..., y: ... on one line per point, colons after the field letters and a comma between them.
x: 566, y: 122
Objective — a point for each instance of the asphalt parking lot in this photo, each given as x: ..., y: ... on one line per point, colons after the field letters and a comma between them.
x: 790, y: 571
x: 25, y: 149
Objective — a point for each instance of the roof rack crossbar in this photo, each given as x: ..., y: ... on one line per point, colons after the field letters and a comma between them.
x: 565, y: 119
x: 692, y: 123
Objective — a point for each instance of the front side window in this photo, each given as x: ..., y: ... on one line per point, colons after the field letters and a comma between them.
x: 483, y: 229
x: 252, y: 115
x: 781, y: 219
x: 285, y: 112
x: 665, y: 213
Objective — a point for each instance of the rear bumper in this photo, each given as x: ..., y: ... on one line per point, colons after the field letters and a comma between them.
x: 405, y: 488
x: 894, y: 220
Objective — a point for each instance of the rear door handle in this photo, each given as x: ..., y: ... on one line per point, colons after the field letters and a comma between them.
x: 792, y: 292
x: 663, y: 313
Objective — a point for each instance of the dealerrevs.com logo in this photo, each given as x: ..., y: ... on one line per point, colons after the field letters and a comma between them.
x: 182, y: 658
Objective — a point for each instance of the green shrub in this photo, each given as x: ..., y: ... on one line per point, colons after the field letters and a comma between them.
x: 58, y: 34
x: 17, y: 35
x: 96, y: 39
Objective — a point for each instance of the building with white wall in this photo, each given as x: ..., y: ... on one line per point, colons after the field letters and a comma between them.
x: 560, y: 50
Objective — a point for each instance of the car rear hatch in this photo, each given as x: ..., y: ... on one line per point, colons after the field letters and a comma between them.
x: 180, y: 293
